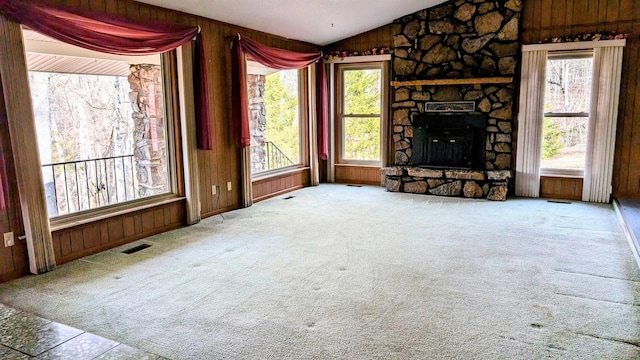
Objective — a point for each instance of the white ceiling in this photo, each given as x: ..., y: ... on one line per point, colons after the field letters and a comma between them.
x: 319, y: 22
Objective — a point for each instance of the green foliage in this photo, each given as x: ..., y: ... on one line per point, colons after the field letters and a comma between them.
x: 362, y: 92
x: 362, y: 139
x: 282, y: 120
x: 552, y: 141
x: 361, y: 97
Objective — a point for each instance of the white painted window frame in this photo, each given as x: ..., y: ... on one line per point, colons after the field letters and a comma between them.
x: 333, y: 108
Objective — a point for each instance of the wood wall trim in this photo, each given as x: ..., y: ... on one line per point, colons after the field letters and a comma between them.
x: 15, y: 82
x: 467, y: 81
x: 277, y: 193
x: 188, y: 126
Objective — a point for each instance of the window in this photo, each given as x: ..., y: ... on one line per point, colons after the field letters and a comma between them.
x: 103, y: 133
x: 274, y: 118
x: 360, y: 111
x: 566, y: 113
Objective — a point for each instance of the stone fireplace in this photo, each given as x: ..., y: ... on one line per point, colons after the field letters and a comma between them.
x: 453, y: 99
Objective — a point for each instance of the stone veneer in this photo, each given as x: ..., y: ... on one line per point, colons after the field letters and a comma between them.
x: 150, y: 145
x: 258, y: 121
x: 459, y: 39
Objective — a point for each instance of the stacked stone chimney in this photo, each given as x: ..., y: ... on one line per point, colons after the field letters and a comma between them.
x: 464, y: 39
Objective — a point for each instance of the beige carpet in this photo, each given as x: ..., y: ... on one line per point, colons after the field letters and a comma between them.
x: 358, y: 273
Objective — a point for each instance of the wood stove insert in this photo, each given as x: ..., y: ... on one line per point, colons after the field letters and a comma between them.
x: 449, y: 140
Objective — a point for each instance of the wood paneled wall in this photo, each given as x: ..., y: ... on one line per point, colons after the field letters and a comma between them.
x: 542, y: 19
x: 561, y: 188
x: 13, y: 260
x: 73, y: 243
x: 376, y: 38
x: 358, y: 174
x: 280, y: 184
x: 217, y: 166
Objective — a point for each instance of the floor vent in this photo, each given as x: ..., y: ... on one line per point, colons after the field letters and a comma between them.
x: 289, y: 197
x: 135, y: 249
x: 559, y: 201
x: 353, y: 185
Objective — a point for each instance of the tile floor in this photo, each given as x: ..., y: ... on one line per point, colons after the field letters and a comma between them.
x: 26, y: 336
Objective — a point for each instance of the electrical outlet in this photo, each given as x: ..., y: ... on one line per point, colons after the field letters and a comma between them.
x: 8, y: 239
x: 228, y: 185
x: 213, y: 189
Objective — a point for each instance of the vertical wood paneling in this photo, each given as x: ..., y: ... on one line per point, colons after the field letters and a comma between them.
x: 77, y: 241
x: 91, y: 236
x: 65, y: 244
x: 358, y: 175
x: 561, y: 188
x: 280, y: 184
x: 104, y: 233
x: 376, y: 38
x: 128, y: 226
x: 115, y: 228
x: 83, y: 240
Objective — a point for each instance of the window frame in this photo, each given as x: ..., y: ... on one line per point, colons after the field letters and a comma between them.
x: 340, y: 115
x: 170, y: 78
x: 303, y: 127
x: 568, y: 55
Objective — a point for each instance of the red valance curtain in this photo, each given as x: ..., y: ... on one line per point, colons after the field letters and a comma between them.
x: 276, y: 59
x: 116, y: 35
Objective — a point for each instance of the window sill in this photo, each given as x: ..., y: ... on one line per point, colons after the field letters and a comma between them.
x: 81, y: 218
x: 565, y: 173
x: 278, y: 172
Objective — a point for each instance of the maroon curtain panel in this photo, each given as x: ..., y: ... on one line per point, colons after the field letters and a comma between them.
x: 274, y: 58
x: 115, y: 35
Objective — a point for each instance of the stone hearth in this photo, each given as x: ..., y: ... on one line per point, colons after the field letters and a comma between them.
x: 491, y: 185
x: 464, y: 39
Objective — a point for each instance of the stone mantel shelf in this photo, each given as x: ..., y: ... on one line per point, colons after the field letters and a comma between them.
x: 466, y: 81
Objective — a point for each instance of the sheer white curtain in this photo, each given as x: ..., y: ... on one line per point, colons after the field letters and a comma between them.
x: 604, y: 116
x: 530, y: 121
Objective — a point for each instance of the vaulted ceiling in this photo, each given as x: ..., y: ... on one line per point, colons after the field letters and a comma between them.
x: 319, y: 22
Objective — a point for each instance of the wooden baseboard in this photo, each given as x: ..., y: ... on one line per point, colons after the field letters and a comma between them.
x: 277, y: 193
x: 111, y: 245
x: 218, y: 212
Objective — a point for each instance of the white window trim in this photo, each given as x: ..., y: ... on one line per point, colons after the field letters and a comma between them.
x: 337, y: 116
x: 386, y: 59
x: 304, y: 125
x: 567, y: 54
x: 559, y: 172
x: 576, y: 45
x: 360, y: 59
